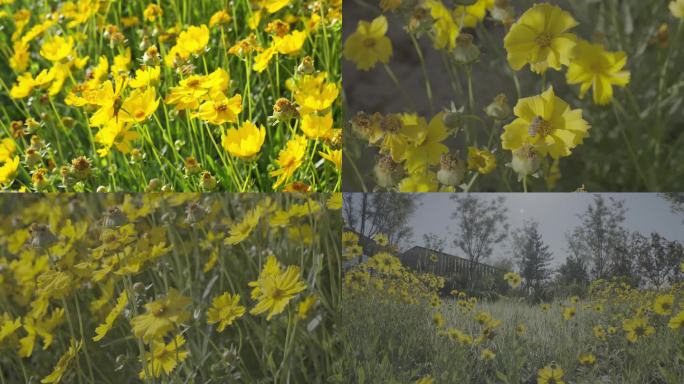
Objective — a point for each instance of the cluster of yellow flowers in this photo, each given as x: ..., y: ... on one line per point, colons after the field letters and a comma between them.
x: 215, y: 79
x: 538, y: 131
x: 64, y: 272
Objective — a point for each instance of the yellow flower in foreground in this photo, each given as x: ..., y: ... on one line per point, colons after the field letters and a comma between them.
x: 117, y: 134
x: 164, y: 357
x: 419, y: 182
x: 193, y: 40
x: 262, y: 60
x: 305, y: 306
x: 368, y: 44
x: 539, y: 38
x: 220, y: 109
x: 425, y: 142
x: 445, y: 29
x: 9, y: 170
x: 276, y: 289
x: 593, y: 66
x: 313, y: 92
x: 637, y: 327
x: 663, y: 305
x: 57, y: 48
x: 220, y: 17
x: 677, y: 8
x: 273, y: 6
x: 333, y: 156
x: 103, y: 328
x: 289, y: 159
x: 244, y: 142
x: 224, y: 310
x: 513, y: 279
x: 139, y: 106
x: 63, y: 363
x: 547, y: 123
x: 7, y: 149
x: 481, y: 160
x: 145, y: 77
x: 677, y: 321
x: 472, y: 14
x: 569, y: 313
x: 550, y: 374
x: 587, y: 359
x: 291, y: 43
x: 162, y: 316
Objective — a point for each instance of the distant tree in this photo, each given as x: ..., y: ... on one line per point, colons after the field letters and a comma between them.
x: 657, y: 259
x: 480, y: 225
x: 573, y: 272
x: 434, y: 242
x: 504, y: 263
x: 600, y: 236
x: 351, y: 216
x: 532, y: 255
x: 676, y: 200
x: 385, y: 213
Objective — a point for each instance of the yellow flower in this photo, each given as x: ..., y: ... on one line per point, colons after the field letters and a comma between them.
x: 419, y: 182
x: 677, y: 8
x: 57, y: 48
x: 9, y: 170
x: 103, y: 328
x: 637, y: 327
x: 145, y: 77
x: 220, y: 109
x: 63, y: 363
x: 276, y: 290
x: 521, y: 329
x: 381, y: 239
x: 425, y: 380
x: 487, y: 354
x: 273, y: 6
x: 368, y: 44
x: 289, y: 160
x: 547, y: 123
x: 262, y: 59
x: 139, y: 106
x: 305, y: 306
x: 677, y: 321
x: 220, y: 17
x: 569, y: 313
x: 333, y: 156
x: 587, y: 359
x: 593, y: 66
x: 472, y: 14
x: 117, y: 134
x: 663, y: 305
x: 164, y: 357
x: 193, y: 40
x: 26, y: 83
x: 539, y: 38
x: 7, y: 149
x: 224, y: 310
x: 550, y: 374
x: 425, y: 142
x: 481, y: 160
x: 291, y: 43
x: 317, y: 127
x: 240, y: 231
x: 445, y: 29
x: 334, y: 202
x: 152, y: 12
x: 20, y: 56
x: 161, y: 316
x: 244, y: 142
x: 513, y: 279
x: 313, y: 92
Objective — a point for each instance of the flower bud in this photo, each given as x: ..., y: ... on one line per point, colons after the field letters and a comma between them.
x: 387, y: 172
x: 465, y: 51
x: 499, y: 108
x: 114, y: 217
x: 207, y: 181
x: 39, y: 179
x: 451, y: 171
x: 306, y: 67
x: 80, y: 167
x: 526, y: 160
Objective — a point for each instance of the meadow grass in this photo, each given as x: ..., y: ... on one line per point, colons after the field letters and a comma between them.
x: 173, y: 148
x: 80, y: 253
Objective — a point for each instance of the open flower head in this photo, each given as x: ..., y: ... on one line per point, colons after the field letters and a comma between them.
x: 540, y: 38
x: 369, y: 45
x: 594, y: 67
x: 244, y: 142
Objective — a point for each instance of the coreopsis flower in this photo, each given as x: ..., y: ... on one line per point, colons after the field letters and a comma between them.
x: 138, y: 106
x: 551, y: 374
x: 540, y: 38
x: 481, y: 160
x: 63, y: 363
x: 290, y: 44
x: 163, y: 357
x: 289, y: 160
x: 663, y: 305
x: 220, y: 17
x: 547, y: 123
x: 368, y: 45
x: 240, y: 231
x: 587, y: 359
x: 115, y: 134
x: 676, y: 321
x: 594, y: 67
x: 419, y: 182
x: 224, y: 310
x: 305, y: 306
x: 8, y: 170
x: 474, y: 13
x: 145, y: 77
x: 275, y: 289
x: 273, y: 6
x: 334, y: 156
x: 244, y: 142
x: 637, y: 327
x: 487, y: 354
x: 20, y: 56
x: 152, y: 11
x: 220, y: 109
x: 161, y: 316
x: 26, y: 83
x: 569, y: 313
x: 513, y: 279
x: 445, y: 29
x: 425, y: 146
x: 313, y: 92
x: 57, y: 48
x: 317, y: 126
x: 677, y: 8
x: 103, y: 328
x: 262, y: 60
x: 193, y: 40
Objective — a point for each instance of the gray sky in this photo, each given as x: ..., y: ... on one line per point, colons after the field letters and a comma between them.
x: 556, y: 214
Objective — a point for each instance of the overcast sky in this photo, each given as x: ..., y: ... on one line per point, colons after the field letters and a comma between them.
x: 555, y: 212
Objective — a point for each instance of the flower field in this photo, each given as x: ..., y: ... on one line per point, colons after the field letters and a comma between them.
x: 401, y: 326
x: 484, y: 95
x: 172, y: 288
x: 171, y: 95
